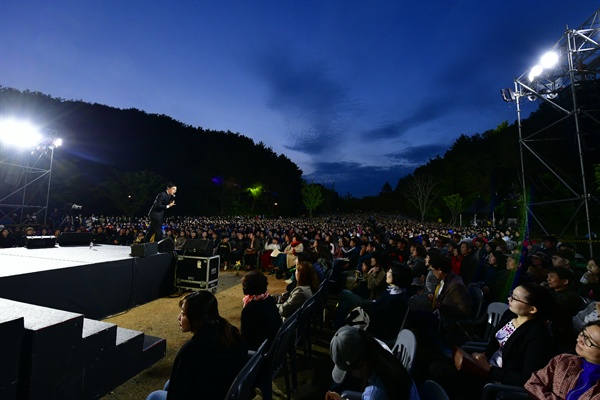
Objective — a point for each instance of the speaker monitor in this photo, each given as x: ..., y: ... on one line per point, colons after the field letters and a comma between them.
x: 199, y: 247
x: 166, y: 245
x: 75, y: 239
x: 40, y: 242
x: 144, y: 249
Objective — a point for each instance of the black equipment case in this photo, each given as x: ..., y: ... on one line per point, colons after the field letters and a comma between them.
x: 197, y: 273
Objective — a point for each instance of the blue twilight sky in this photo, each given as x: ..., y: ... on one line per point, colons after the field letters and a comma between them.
x: 356, y: 93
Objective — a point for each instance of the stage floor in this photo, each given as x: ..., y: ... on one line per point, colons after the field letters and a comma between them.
x: 96, y: 282
x: 21, y: 260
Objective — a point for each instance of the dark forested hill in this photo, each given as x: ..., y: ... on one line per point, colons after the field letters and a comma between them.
x: 110, y: 155
x: 115, y: 161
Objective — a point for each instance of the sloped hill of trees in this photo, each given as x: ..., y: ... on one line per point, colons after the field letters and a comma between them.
x: 117, y: 160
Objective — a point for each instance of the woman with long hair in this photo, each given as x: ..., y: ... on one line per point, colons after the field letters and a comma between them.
x: 356, y: 352
x: 214, y: 339
x: 307, y: 284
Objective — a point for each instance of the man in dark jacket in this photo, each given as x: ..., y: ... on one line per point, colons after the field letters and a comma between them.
x: 163, y: 201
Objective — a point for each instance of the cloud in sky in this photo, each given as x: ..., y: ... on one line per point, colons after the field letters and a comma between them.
x: 314, y: 103
x: 357, y: 93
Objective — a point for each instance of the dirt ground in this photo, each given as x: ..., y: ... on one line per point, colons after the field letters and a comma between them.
x: 159, y: 318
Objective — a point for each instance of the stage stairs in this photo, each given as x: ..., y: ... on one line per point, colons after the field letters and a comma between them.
x: 52, y: 354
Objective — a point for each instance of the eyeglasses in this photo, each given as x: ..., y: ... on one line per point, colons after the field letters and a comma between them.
x: 587, y: 340
x: 512, y: 298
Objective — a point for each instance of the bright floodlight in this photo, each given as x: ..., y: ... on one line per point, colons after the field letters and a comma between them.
x: 19, y: 133
x: 549, y: 59
x: 57, y: 142
x: 535, y: 72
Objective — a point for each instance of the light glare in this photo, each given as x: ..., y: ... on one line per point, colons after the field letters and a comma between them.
x: 535, y: 72
x: 19, y: 133
x: 549, y: 59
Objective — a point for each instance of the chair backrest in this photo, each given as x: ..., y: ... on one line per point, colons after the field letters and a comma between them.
x: 304, y: 316
x: 281, y: 344
x: 322, y: 292
x: 243, y: 384
x: 431, y: 390
x: 476, y: 302
x: 405, y: 348
x: 495, y: 311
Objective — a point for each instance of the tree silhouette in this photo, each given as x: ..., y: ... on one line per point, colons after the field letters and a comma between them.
x: 454, y: 202
x: 420, y: 192
x: 312, y: 196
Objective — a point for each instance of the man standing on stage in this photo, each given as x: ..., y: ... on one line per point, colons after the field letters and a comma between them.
x: 163, y: 201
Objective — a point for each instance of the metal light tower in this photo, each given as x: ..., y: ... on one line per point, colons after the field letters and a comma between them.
x: 25, y: 173
x: 567, y: 79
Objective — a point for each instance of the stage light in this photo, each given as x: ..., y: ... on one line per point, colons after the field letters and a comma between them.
x: 57, y: 142
x: 20, y: 134
x: 535, y: 72
x: 549, y: 60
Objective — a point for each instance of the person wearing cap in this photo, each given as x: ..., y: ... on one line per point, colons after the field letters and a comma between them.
x: 29, y: 231
x: 549, y: 245
x: 359, y: 354
x: 539, y: 267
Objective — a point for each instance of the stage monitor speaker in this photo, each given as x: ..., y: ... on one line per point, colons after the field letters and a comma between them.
x: 144, y: 249
x: 198, y: 247
x: 75, y: 239
x: 166, y: 245
x: 40, y: 242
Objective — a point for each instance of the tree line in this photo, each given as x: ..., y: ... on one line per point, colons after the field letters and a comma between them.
x: 117, y: 160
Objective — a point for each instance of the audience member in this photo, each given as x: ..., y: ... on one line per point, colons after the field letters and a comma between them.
x: 569, y: 376
x: 356, y: 352
x: 306, y: 280
x: 260, y: 317
x: 214, y: 339
x: 7, y: 239
x: 590, y: 281
x: 588, y: 314
x: 568, y: 303
x: 539, y: 265
x: 520, y: 345
x: 496, y: 286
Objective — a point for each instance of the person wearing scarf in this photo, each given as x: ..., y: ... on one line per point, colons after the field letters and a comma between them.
x: 260, y: 318
x: 568, y: 376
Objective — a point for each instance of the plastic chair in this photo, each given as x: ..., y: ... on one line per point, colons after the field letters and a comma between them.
x: 477, y: 314
x: 303, y: 335
x: 243, y: 385
x: 495, y: 391
x: 495, y: 311
x: 321, y: 299
x: 431, y: 390
x: 405, y: 349
x: 276, y: 358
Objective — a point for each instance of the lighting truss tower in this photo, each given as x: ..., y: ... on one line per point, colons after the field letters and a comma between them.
x: 25, y: 177
x: 572, y: 88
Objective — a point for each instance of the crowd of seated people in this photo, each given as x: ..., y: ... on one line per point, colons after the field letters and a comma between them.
x: 369, y: 260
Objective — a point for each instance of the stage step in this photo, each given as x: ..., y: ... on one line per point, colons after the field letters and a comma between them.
x: 11, y: 332
x: 62, y: 355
